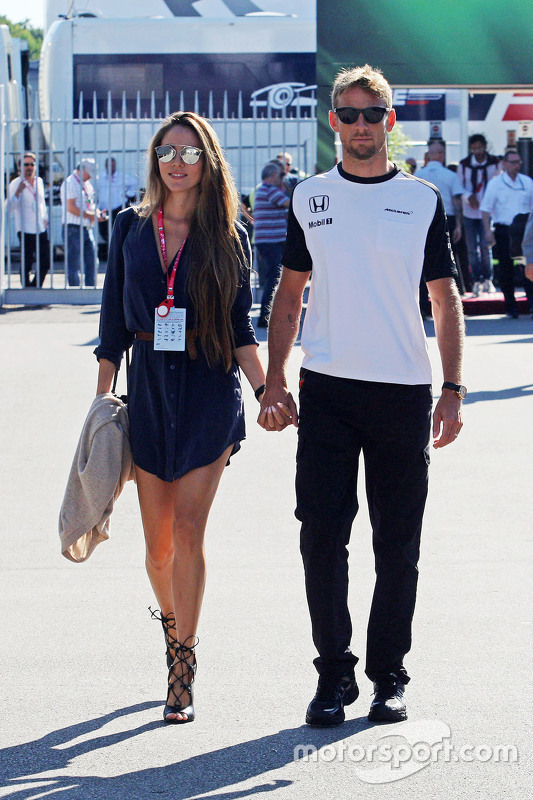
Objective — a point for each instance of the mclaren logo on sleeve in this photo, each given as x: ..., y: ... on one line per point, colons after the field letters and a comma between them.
x: 319, y: 203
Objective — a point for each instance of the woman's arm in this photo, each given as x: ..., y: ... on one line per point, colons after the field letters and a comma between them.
x: 115, y: 337
x: 247, y: 358
x: 106, y: 373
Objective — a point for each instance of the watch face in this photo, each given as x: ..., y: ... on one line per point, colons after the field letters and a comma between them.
x: 462, y: 392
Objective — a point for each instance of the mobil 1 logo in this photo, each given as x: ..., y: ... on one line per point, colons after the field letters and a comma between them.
x: 319, y: 204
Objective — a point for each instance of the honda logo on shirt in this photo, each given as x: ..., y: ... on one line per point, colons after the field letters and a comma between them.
x: 319, y: 203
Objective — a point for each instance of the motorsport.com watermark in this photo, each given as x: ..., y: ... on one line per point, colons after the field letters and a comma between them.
x: 403, y: 750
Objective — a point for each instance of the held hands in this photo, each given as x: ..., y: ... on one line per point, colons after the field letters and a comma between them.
x: 447, y: 420
x: 529, y: 272
x: 278, y: 409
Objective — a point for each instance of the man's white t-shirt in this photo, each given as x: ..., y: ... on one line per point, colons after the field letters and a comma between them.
x: 368, y: 242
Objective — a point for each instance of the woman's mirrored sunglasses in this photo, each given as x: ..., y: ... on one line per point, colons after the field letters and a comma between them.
x: 167, y: 153
x: 372, y: 114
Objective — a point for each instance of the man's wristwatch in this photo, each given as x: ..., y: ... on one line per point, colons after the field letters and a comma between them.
x: 455, y: 387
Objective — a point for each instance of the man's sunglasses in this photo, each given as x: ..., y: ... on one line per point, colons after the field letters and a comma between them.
x: 189, y: 155
x: 29, y: 163
x: 371, y: 114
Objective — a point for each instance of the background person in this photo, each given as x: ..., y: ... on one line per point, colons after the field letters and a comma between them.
x: 507, y: 195
x: 116, y: 190
x: 474, y: 173
x: 78, y: 200
x: 451, y: 192
x: 291, y: 176
x: 270, y: 229
x: 527, y: 247
x: 185, y: 406
x: 26, y: 194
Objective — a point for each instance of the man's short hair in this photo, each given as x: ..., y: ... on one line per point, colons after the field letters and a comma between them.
x: 477, y: 137
x: 88, y: 165
x: 511, y: 151
x: 272, y: 168
x: 368, y: 78
x: 27, y: 154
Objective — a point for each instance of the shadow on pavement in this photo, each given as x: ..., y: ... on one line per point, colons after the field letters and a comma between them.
x: 499, y: 394
x: 26, y: 768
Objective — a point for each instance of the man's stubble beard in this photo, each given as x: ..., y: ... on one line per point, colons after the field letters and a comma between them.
x: 364, y: 155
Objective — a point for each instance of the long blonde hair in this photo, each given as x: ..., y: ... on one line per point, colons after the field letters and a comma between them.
x: 217, y: 254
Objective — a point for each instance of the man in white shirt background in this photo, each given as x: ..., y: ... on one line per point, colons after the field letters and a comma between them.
x: 78, y: 199
x: 506, y: 196
x: 116, y: 189
x: 26, y: 196
x: 451, y: 192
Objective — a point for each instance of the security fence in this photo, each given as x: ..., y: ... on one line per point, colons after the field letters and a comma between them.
x: 60, y: 145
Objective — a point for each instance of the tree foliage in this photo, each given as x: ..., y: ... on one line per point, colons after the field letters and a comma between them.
x: 23, y: 30
x: 397, y: 143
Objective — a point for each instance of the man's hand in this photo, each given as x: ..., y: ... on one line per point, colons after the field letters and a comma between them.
x: 489, y: 237
x: 278, y: 409
x: 473, y: 202
x: 457, y: 233
x: 20, y: 188
x: 447, y: 420
x: 529, y: 272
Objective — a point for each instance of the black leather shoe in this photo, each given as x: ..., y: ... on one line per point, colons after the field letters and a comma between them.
x: 333, y: 693
x: 388, y: 704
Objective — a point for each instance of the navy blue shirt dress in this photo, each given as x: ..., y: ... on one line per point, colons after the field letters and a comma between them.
x: 183, y: 413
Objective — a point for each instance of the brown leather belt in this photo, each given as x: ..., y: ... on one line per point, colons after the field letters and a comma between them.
x: 190, y: 337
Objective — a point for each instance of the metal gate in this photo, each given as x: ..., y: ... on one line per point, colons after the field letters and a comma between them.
x: 59, y: 145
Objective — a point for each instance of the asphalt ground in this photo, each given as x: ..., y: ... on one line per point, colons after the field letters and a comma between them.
x: 82, y: 666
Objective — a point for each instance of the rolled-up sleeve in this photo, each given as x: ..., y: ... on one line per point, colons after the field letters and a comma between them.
x: 115, y: 338
x: 243, y: 330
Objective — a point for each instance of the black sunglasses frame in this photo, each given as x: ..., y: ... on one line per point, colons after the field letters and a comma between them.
x: 371, y: 114
x: 171, y: 153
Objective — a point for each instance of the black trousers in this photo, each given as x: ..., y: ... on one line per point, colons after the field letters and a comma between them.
x: 31, y: 243
x: 502, y: 235
x: 390, y: 425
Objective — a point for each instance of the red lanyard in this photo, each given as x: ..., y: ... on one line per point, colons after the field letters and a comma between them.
x: 84, y: 192
x: 169, y: 302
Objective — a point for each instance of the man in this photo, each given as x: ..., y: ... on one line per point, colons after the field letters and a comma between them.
x: 366, y: 231
x: 527, y: 247
x: 411, y: 163
x: 290, y: 178
x: 26, y: 194
x: 79, y: 215
x: 474, y: 173
x: 270, y: 228
x: 116, y: 189
x: 451, y: 192
x: 506, y: 196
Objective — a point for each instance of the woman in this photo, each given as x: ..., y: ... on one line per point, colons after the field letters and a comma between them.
x: 180, y: 253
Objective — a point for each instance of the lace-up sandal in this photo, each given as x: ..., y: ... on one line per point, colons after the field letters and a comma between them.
x: 180, y: 680
x: 169, y: 629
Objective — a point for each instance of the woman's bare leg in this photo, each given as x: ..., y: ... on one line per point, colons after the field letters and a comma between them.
x: 174, y: 518
x: 156, y: 499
